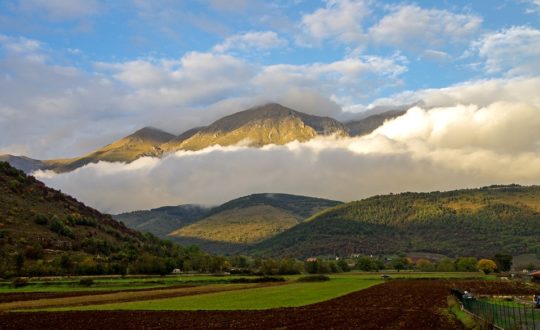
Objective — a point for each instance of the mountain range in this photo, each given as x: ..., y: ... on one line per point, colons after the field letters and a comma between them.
x: 258, y: 126
x: 478, y: 222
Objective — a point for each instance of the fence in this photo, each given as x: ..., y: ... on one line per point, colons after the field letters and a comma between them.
x: 505, y: 315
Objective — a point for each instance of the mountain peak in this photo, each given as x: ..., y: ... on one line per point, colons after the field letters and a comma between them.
x: 271, y: 123
x: 153, y: 134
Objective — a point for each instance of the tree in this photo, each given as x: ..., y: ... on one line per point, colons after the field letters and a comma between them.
x: 65, y: 263
x: 365, y: 264
x: 424, y: 265
x: 487, y: 266
x: 503, y: 261
x: 445, y: 265
x: 466, y: 264
x: 343, y: 265
x: 399, y: 263
x: 19, y: 262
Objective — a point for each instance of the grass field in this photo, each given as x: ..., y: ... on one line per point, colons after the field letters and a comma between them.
x: 289, y: 295
x: 113, y: 284
x: 134, y: 283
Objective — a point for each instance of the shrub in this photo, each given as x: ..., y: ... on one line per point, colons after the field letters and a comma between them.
x: 19, y: 282
x: 59, y: 227
x: 264, y: 279
x: 314, y: 278
x: 86, y: 282
x: 41, y: 219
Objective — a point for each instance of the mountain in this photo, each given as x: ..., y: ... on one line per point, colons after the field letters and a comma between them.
x: 479, y: 222
x: 369, y: 124
x: 258, y: 126
x: 23, y: 163
x: 231, y: 226
x: 144, y: 142
x: 253, y: 218
x: 161, y: 221
x: 268, y: 124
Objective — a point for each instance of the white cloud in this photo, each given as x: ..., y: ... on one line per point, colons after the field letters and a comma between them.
x: 339, y: 19
x: 481, y: 93
x: 251, y: 42
x: 415, y: 28
x: 345, y: 81
x: 514, y: 51
x: 437, y: 149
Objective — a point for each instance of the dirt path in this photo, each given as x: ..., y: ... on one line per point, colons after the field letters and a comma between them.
x: 412, y: 304
x: 124, y: 296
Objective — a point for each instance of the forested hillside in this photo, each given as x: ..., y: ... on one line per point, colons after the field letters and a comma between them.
x: 46, y: 232
x: 477, y: 222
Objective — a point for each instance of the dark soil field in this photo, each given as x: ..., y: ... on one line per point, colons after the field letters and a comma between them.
x: 408, y: 304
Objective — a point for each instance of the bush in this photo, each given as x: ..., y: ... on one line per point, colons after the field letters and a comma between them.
x: 59, y: 227
x: 19, y: 282
x: 264, y: 279
x: 86, y: 282
x: 314, y: 278
x: 41, y: 219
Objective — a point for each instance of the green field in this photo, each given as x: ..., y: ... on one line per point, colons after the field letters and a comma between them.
x: 148, y: 282
x: 288, y: 295
x: 113, y: 284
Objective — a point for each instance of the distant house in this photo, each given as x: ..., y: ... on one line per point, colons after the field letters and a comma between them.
x: 535, y: 276
x: 312, y: 259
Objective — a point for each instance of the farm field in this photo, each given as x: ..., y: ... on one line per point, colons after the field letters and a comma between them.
x: 292, y: 294
x: 113, y: 283
x: 397, y: 304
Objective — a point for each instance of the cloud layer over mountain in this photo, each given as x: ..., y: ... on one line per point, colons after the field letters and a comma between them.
x: 427, y: 148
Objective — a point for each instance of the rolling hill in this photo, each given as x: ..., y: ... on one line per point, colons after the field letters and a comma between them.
x: 46, y: 232
x: 163, y: 220
x: 229, y: 227
x: 479, y: 222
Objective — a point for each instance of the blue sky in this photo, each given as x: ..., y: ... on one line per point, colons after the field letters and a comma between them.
x: 96, y: 70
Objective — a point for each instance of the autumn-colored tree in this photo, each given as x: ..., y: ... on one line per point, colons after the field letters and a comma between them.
x: 487, y: 266
x: 424, y: 265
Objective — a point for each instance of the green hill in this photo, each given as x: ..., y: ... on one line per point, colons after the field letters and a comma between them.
x: 232, y: 226
x: 161, y: 221
x: 46, y: 232
x: 477, y: 222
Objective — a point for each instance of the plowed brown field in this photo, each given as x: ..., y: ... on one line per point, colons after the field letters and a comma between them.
x: 411, y: 304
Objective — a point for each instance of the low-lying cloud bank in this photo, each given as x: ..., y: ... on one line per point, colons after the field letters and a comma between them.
x: 436, y: 149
